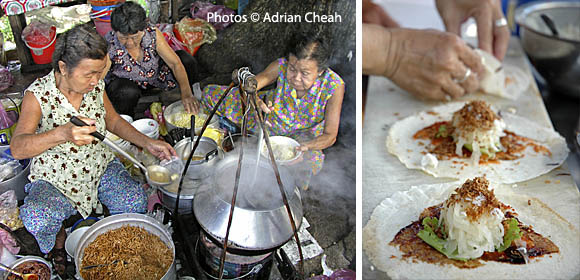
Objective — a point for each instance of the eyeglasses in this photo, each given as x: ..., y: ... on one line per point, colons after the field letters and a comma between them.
x: 136, y: 38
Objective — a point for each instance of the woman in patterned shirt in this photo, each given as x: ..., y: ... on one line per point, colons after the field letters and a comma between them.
x: 72, y: 172
x: 141, y: 59
x: 305, y: 105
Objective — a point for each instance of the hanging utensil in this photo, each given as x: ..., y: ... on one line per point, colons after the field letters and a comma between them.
x: 25, y: 276
x: 156, y: 175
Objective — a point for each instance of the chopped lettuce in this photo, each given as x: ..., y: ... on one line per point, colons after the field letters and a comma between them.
x: 428, y: 235
x: 512, y: 233
x: 483, y: 150
x: 442, y: 132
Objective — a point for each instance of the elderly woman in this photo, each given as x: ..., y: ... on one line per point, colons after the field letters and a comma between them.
x: 305, y: 105
x: 141, y: 59
x: 71, y: 172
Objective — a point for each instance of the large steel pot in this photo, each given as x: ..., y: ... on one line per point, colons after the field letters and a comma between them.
x: 116, y: 221
x: 557, y: 58
x: 260, y: 220
x: 205, y: 157
x: 168, y: 195
x: 17, y: 182
x: 177, y: 107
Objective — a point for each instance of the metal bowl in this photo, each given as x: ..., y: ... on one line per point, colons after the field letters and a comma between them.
x: 116, y: 221
x: 176, y: 107
x: 278, y: 142
x: 207, y: 151
x: 28, y: 259
x: 260, y: 220
x: 557, y: 58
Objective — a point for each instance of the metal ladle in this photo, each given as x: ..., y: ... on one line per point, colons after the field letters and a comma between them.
x: 146, y: 170
x: 25, y: 276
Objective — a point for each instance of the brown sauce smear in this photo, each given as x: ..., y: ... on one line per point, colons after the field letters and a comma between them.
x: 415, y: 249
x: 444, y: 147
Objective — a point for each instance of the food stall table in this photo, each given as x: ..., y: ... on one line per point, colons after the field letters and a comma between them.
x: 384, y: 174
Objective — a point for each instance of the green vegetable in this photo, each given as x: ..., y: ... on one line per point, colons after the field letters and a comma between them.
x: 441, y: 132
x: 484, y: 151
x: 428, y: 235
x: 512, y: 233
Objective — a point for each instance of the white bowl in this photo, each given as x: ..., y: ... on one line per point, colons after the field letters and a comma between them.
x: 128, y: 118
x: 278, y: 142
x: 148, y: 127
x: 72, y: 240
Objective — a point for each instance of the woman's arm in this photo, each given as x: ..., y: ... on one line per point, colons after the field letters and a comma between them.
x: 173, y: 61
x: 26, y: 143
x: 332, y: 120
x: 268, y: 76
x: 125, y: 130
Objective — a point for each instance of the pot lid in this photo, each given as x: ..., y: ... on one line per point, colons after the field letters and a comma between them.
x: 260, y: 219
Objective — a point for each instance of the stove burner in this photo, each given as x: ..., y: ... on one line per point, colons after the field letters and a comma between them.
x: 236, y: 266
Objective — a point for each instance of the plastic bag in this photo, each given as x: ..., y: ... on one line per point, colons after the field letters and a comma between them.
x: 6, y: 78
x: 194, y: 33
x: 167, y: 31
x: 38, y: 33
x: 9, y: 210
x: 6, y: 124
x: 201, y: 10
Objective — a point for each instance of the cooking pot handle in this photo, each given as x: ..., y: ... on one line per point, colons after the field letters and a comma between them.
x: 209, y: 156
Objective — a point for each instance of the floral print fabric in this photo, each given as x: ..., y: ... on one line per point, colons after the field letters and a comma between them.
x: 298, y: 118
x: 151, y: 71
x: 74, y: 170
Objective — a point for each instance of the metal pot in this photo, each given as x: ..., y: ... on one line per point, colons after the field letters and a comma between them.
x: 557, y: 58
x: 206, y: 151
x: 168, y: 195
x: 116, y: 221
x: 17, y: 182
x: 27, y: 259
x: 176, y: 107
x: 260, y: 220
x: 231, y: 141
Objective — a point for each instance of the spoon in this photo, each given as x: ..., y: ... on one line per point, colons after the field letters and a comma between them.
x: 550, y: 23
x: 101, y: 265
x: 152, y: 169
x: 25, y: 276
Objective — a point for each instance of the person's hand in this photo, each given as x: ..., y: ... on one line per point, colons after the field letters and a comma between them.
x: 160, y: 149
x: 492, y: 31
x: 431, y: 64
x: 190, y: 104
x: 265, y: 108
x: 79, y: 135
x: 374, y: 14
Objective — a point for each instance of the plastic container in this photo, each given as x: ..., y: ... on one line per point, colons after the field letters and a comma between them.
x: 42, y: 54
x: 103, y: 27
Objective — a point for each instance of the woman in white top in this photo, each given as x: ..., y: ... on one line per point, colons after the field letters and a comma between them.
x: 71, y: 171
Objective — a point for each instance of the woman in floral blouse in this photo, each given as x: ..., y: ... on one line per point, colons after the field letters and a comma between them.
x: 305, y: 105
x: 141, y: 59
x: 71, y: 171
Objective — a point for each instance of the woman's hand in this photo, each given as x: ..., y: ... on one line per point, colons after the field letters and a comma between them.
x: 492, y: 35
x: 432, y: 64
x: 267, y: 109
x: 160, y: 149
x: 190, y: 104
x: 79, y: 135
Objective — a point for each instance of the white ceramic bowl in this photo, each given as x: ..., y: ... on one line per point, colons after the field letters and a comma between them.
x: 72, y: 240
x: 281, y: 142
x: 148, y: 127
x: 128, y: 118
